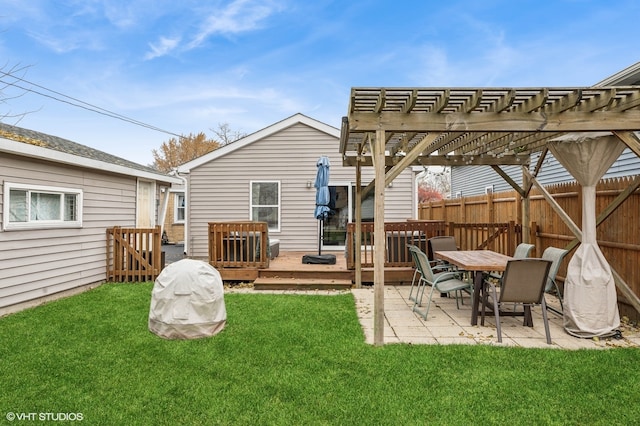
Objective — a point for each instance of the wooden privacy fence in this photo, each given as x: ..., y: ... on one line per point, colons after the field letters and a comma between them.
x: 133, y: 254
x: 239, y: 244
x: 398, y: 235
x: 618, y: 231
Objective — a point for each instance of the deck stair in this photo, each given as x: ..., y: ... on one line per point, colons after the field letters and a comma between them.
x: 288, y: 283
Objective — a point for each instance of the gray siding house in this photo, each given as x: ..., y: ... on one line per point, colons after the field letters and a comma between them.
x: 57, y: 198
x: 269, y: 176
x: 475, y: 180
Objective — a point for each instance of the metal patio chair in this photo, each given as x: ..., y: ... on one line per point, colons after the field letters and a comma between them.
x: 523, y: 282
x: 437, y: 270
x: 555, y: 255
x: 437, y: 266
x: 522, y: 251
x: 443, y: 243
x: 443, y: 282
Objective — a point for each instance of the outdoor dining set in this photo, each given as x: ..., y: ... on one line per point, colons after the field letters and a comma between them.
x: 499, y: 285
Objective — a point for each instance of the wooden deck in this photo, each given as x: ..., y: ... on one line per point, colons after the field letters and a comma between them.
x: 287, y: 272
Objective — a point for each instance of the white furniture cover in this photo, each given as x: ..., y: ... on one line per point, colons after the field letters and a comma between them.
x: 187, y: 301
x: 590, y: 302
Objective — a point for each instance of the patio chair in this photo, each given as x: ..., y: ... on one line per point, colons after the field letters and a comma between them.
x: 522, y: 251
x: 416, y: 273
x: 555, y: 255
x: 443, y: 243
x: 443, y: 282
x: 523, y: 282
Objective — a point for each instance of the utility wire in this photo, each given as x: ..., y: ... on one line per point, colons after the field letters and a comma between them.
x: 79, y: 103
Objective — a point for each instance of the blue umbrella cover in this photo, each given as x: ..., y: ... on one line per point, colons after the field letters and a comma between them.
x: 322, y: 189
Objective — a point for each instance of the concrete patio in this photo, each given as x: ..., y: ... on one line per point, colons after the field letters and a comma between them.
x: 448, y: 325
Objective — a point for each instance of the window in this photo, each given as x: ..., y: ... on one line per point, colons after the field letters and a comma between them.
x: 265, y: 203
x: 32, y: 206
x: 179, y: 208
x: 488, y: 189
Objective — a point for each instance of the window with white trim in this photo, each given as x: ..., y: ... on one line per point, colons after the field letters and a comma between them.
x: 265, y: 203
x: 179, y: 208
x: 38, y: 207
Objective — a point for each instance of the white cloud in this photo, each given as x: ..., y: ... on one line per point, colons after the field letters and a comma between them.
x: 162, y: 47
x: 240, y: 16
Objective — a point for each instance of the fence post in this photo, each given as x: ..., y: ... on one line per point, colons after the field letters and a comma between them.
x: 490, y: 209
x: 157, y: 252
x: 511, y: 237
x: 533, y: 236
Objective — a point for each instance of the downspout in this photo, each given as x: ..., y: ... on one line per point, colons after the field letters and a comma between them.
x: 163, y: 207
x: 175, y: 173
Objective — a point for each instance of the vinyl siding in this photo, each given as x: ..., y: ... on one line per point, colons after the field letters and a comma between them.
x: 36, y: 263
x: 472, y: 180
x: 219, y: 189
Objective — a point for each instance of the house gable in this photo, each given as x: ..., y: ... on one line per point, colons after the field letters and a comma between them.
x: 219, y: 185
x: 260, y: 135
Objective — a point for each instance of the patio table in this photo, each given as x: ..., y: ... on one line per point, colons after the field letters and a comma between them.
x: 476, y: 261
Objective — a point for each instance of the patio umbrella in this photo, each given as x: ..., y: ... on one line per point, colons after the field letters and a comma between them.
x: 590, y: 301
x: 322, y: 195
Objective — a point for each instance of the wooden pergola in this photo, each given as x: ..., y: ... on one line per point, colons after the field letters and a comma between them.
x: 393, y: 128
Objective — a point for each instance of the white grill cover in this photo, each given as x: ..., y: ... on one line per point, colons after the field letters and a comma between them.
x: 187, y: 301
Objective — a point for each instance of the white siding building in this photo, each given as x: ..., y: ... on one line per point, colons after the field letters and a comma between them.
x: 57, y: 198
x: 269, y: 176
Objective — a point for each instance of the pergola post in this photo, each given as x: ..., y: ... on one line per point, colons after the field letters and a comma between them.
x: 358, y: 233
x: 379, y: 240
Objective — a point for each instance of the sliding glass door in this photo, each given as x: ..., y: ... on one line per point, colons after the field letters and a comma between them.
x: 342, y: 205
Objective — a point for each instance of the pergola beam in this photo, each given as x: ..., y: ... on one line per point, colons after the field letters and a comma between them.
x: 445, y: 160
x: 568, y: 121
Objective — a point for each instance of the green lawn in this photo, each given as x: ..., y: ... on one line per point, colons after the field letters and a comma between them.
x: 285, y: 359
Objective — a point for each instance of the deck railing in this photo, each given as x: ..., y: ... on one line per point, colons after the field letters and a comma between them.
x: 133, y: 254
x: 238, y: 244
x: 397, y: 235
x: 500, y: 237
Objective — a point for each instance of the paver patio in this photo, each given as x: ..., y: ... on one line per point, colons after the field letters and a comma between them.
x: 448, y: 325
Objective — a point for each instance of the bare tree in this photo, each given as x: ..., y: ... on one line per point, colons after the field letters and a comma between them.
x: 226, y: 135
x: 10, y: 78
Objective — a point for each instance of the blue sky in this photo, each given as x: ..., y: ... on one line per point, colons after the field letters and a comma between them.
x: 186, y: 66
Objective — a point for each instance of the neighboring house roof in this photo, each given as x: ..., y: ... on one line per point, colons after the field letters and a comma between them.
x: 260, y: 134
x: 629, y: 76
x: 52, y: 148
